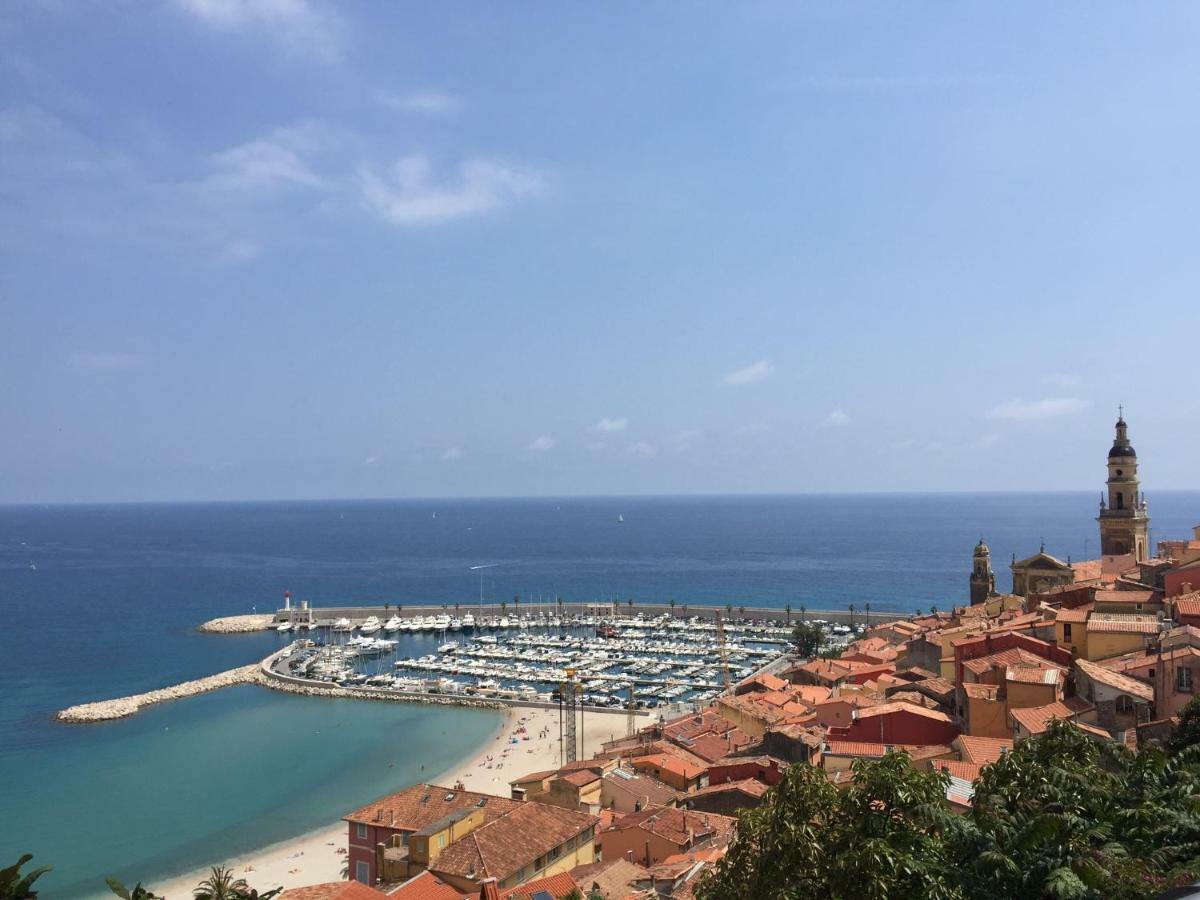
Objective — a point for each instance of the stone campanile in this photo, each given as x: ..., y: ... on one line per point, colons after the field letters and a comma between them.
x: 1124, y: 520
x: 983, y: 580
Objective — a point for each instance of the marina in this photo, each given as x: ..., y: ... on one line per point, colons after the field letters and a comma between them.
x: 635, y: 662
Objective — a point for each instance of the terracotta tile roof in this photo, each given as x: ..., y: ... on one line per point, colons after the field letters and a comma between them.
x: 1014, y: 656
x: 768, y: 681
x: 1123, y: 623
x: 983, y: 750
x: 885, y: 709
x: 857, y: 748
x: 581, y: 777
x: 425, y: 886
x: 1078, y: 615
x: 615, y: 879
x: 850, y: 699
x: 712, y: 747
x: 1188, y: 607
x: 929, y: 752
x: 1047, y: 674
x: 636, y: 784
x: 676, y: 825
x: 1036, y: 719
x: 751, y: 786
x: 981, y: 691
x: 558, y: 885
x: 666, y: 763
x: 421, y: 805
x: 967, y: 771
x: 508, y: 844
x: 1122, y: 683
x: 1123, y: 597
x: 535, y: 776
x: 344, y: 890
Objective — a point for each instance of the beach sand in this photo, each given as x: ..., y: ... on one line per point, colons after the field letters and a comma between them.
x: 314, y: 858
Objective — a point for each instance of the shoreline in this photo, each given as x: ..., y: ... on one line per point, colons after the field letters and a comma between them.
x: 312, y: 857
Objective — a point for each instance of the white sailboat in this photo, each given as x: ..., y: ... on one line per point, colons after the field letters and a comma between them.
x: 620, y: 518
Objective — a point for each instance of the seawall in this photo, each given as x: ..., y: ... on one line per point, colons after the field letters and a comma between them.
x: 103, y: 710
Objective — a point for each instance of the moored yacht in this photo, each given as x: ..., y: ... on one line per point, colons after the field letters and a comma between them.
x: 342, y: 624
x: 370, y: 626
x: 392, y: 624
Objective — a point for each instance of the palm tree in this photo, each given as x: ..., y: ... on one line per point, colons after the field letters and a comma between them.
x: 136, y: 893
x: 503, y: 607
x: 742, y: 611
x: 517, y: 603
x: 851, y: 615
x: 221, y: 885
x: 788, y: 607
x: 729, y: 609
x: 803, y: 611
x: 867, y: 611
x: 672, y: 607
x: 630, y: 604
x: 15, y: 886
x: 385, y: 609
x: 933, y: 610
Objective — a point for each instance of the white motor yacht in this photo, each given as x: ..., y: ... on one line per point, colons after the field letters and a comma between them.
x: 283, y: 626
x: 468, y: 622
x: 392, y: 624
x: 455, y: 623
x: 370, y: 626
x: 441, y: 623
x: 342, y: 624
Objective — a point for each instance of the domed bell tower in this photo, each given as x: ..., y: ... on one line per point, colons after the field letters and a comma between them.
x: 1124, y: 519
x: 983, y: 580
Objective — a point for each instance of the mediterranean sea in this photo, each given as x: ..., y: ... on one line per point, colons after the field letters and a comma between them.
x: 103, y: 601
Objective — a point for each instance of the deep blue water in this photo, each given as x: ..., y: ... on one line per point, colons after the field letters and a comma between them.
x: 112, y: 605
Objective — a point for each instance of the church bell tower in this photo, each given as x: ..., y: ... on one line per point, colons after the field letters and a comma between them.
x: 983, y: 580
x: 1124, y: 520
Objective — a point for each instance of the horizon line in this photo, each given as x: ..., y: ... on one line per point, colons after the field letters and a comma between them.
x: 428, y: 498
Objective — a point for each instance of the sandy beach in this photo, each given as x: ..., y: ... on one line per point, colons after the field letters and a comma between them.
x: 314, y: 857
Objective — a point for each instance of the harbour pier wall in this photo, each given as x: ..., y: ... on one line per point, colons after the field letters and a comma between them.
x: 326, y: 614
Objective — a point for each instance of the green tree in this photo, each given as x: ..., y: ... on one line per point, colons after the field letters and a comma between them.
x: 803, y: 613
x: 221, y: 884
x: 808, y: 638
x: 672, y: 602
x: 788, y: 609
x: 136, y: 893
x: 851, y: 615
x: 1187, y: 733
x: 14, y: 885
x: 729, y: 609
x: 881, y: 837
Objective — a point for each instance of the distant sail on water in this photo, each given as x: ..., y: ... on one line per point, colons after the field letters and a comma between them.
x: 620, y: 518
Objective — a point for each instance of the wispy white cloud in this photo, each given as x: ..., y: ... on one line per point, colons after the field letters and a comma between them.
x: 430, y: 102
x: 542, y: 444
x: 408, y: 193
x: 263, y: 164
x: 452, y: 453
x: 371, y: 460
x: 305, y: 28
x: 1018, y: 410
x: 108, y: 362
x: 641, y: 450
x: 607, y: 426
x: 750, y: 374
x: 835, y: 419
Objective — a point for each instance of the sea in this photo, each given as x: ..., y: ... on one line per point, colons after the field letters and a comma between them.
x: 99, y: 601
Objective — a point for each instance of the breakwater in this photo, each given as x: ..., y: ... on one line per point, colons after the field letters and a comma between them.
x: 238, y: 624
x: 104, y: 710
x: 263, y: 674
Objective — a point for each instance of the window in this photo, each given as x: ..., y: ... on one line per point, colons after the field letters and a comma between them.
x: 362, y: 831
x: 1124, y: 705
x: 404, y: 838
x: 1120, y: 500
x: 1066, y: 631
x: 362, y: 872
x: 441, y: 841
x: 1183, y: 680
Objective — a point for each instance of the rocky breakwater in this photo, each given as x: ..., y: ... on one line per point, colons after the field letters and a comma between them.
x: 238, y: 624
x: 104, y: 710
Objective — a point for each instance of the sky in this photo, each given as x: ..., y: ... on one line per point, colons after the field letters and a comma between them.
x: 273, y: 249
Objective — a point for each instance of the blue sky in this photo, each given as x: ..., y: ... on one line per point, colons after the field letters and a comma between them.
x: 287, y: 249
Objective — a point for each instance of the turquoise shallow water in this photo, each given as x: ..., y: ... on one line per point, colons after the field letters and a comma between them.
x: 103, y: 601
x: 187, y: 783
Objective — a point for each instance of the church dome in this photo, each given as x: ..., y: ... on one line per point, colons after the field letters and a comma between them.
x: 981, y: 549
x: 1122, y: 451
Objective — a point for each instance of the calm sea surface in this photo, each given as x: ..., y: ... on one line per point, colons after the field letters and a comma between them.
x: 102, y: 601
